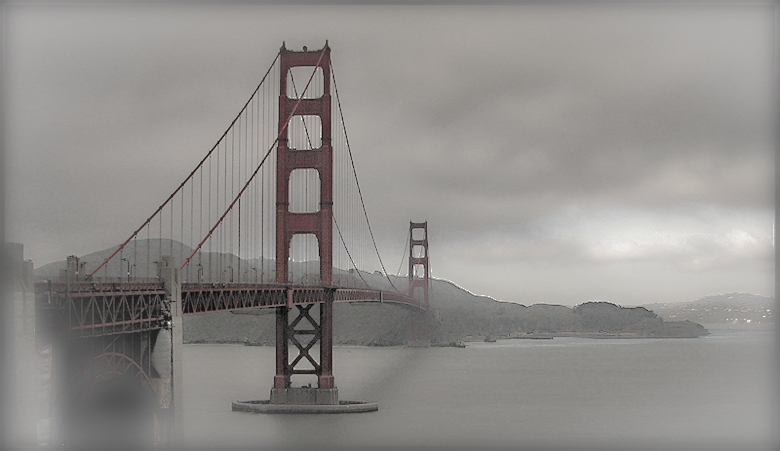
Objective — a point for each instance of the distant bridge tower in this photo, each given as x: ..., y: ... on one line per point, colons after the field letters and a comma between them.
x: 418, y: 278
x: 296, y: 109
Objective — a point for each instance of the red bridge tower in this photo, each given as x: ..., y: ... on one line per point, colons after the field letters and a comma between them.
x: 418, y: 278
x: 296, y: 109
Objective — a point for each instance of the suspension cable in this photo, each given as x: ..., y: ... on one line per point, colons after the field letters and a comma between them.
x: 403, y: 254
x: 338, y: 229
x: 348, y: 254
x: 246, y: 185
x: 357, y: 183
x: 193, y: 171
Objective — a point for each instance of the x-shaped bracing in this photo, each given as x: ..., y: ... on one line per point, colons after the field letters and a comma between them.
x: 303, y: 351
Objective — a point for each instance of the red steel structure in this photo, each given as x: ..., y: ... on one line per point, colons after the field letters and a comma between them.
x: 418, y: 324
x: 319, y: 223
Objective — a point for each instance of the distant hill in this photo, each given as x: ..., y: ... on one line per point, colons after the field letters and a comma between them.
x: 728, y: 308
x: 456, y: 313
x: 212, y: 267
x: 143, y: 254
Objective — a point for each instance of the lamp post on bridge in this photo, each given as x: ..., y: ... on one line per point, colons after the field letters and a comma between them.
x: 128, y: 267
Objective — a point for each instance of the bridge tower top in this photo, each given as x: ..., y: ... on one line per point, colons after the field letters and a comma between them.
x: 418, y: 259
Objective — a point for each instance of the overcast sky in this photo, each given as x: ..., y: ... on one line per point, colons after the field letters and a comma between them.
x: 559, y: 154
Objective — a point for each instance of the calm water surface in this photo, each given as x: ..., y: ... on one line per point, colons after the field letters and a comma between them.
x: 714, y: 391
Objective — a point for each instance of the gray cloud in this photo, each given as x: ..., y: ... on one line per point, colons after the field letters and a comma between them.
x: 491, y: 123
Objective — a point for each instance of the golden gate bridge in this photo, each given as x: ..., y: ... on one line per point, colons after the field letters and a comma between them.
x: 271, y: 217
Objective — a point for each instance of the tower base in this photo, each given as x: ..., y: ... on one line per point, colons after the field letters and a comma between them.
x: 266, y: 406
x: 304, y: 400
x: 305, y: 395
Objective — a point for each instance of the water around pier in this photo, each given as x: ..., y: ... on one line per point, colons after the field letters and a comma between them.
x: 712, y: 391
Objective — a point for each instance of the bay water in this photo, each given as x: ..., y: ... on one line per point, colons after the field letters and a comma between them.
x: 716, y: 391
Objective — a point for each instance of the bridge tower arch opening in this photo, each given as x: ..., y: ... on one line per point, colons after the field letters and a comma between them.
x: 305, y: 260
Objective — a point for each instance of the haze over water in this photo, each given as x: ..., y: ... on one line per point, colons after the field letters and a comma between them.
x: 711, y: 392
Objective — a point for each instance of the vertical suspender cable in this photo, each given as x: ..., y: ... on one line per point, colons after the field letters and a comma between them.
x: 159, y: 209
x: 257, y: 169
x: 357, y: 183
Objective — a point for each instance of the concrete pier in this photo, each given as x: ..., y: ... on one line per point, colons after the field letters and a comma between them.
x: 304, y: 400
x: 169, y: 428
x: 305, y: 395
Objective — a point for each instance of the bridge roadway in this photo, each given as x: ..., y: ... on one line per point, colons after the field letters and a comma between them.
x: 87, y: 309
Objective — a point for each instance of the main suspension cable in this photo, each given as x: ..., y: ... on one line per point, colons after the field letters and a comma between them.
x: 192, y: 173
x: 357, y: 183
x: 403, y: 254
x: 338, y: 229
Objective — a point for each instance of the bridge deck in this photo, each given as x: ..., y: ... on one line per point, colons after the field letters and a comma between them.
x: 106, y: 308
